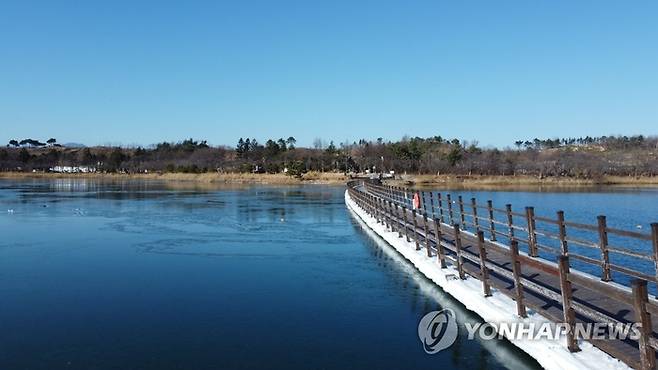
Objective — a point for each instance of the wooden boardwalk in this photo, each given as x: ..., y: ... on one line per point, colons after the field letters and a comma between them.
x: 533, y: 282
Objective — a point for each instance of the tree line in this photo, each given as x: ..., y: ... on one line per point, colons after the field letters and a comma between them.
x: 586, y: 157
x: 32, y: 143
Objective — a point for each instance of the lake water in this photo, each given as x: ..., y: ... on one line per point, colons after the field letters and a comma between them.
x: 147, y: 275
x: 631, y: 209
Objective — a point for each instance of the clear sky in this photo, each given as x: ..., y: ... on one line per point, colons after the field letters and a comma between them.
x: 138, y: 72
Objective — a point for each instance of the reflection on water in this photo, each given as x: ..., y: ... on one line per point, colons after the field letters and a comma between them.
x: 150, y: 275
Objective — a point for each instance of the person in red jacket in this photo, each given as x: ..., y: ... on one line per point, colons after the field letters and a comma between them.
x: 416, y: 201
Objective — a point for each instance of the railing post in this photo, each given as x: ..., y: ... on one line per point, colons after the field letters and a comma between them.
x: 406, y: 196
x: 563, y: 233
x: 532, y: 235
x: 439, y: 247
x: 404, y: 220
x: 438, y: 197
x: 399, y: 209
x: 413, y: 214
x: 654, y: 242
x: 432, y: 204
x: 508, y: 209
x: 603, y: 244
x: 427, y: 236
x: 492, y: 225
x: 450, y: 216
x: 567, y: 295
x: 371, y: 210
x: 461, y: 212
x: 422, y: 196
x: 379, y: 203
x: 391, y: 216
x: 518, y: 287
x: 476, y: 222
x: 484, y: 272
x: 373, y: 213
x: 387, y: 214
x: 458, y: 251
x: 379, y: 210
x: 640, y: 299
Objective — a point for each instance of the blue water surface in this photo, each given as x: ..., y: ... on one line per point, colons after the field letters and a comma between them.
x: 151, y: 275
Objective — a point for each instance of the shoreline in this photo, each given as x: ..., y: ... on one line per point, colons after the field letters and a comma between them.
x: 519, y: 182
x: 332, y: 178
x: 316, y: 178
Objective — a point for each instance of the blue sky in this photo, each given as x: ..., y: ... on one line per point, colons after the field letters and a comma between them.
x: 131, y: 72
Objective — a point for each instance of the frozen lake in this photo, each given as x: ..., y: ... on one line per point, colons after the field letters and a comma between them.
x: 146, y: 275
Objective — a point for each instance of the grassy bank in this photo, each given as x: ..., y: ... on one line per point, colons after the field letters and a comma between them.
x: 325, y: 178
x: 473, y: 182
x: 331, y: 178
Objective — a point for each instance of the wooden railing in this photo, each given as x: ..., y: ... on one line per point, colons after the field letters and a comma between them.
x: 510, y: 251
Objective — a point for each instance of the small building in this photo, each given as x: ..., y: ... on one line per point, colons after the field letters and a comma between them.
x: 72, y: 169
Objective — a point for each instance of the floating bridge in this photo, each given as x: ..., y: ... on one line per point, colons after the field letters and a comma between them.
x: 537, y: 262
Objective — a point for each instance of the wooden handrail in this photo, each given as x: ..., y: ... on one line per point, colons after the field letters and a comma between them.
x: 488, y: 224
